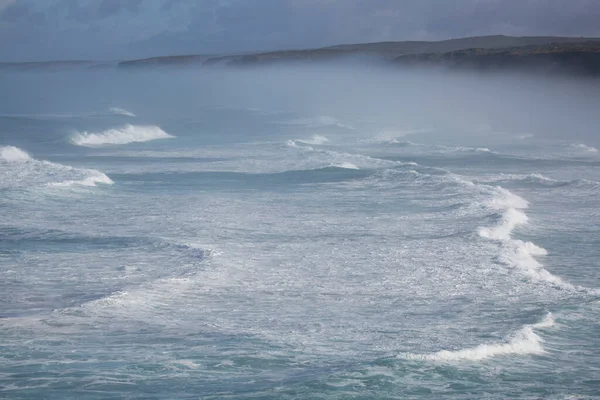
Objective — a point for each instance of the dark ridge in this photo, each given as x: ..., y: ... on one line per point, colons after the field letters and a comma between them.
x: 582, y: 58
x: 165, y: 61
x: 570, y: 55
x: 53, y: 65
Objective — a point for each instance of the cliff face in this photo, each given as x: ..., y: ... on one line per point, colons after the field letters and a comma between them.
x: 165, y: 61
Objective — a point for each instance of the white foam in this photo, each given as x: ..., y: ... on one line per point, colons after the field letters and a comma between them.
x: 292, y: 143
x: 521, y: 255
x: 584, y: 148
x: 503, y: 199
x: 121, y: 111
x: 13, y: 154
x: 314, y: 139
x: 89, y: 181
x: 509, y: 221
x: 523, y: 342
x: 126, y: 134
x: 346, y: 165
x: 517, y: 253
x: 22, y: 171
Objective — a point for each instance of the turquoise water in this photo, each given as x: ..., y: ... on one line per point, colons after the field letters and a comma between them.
x: 298, y: 234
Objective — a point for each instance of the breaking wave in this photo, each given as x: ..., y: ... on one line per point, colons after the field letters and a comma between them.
x: 314, y: 139
x: 13, y: 154
x: 90, y: 181
x: 121, y: 111
x: 584, y: 148
x: 127, y: 134
x: 524, y: 342
x: 513, y: 252
x: 21, y: 171
x: 345, y: 165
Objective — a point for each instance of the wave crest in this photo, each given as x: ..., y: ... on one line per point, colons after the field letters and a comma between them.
x: 98, y: 177
x: 127, y: 134
x: 13, y: 154
x: 314, y: 139
x: 523, y: 342
x: 22, y: 171
x: 584, y: 148
x: 121, y: 111
x: 513, y: 252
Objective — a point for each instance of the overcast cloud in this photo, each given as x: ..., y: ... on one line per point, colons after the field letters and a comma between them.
x: 118, y: 29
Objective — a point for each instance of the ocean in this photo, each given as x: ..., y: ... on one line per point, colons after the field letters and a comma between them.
x: 298, y: 233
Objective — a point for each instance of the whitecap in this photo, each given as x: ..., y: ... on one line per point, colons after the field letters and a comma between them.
x: 524, y: 342
x: 121, y: 111
x: 126, y: 134
x: 345, y: 165
x: 13, y: 154
x: 314, y: 140
x: 584, y: 148
x: 22, y: 171
x: 513, y: 252
x: 509, y: 221
x: 89, y: 181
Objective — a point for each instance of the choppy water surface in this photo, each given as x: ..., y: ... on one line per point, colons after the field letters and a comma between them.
x: 283, y: 235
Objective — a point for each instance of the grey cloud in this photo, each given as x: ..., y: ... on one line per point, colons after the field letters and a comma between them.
x: 15, y: 11
x: 139, y: 28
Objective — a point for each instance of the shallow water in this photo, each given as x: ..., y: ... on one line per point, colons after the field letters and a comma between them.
x: 177, y: 236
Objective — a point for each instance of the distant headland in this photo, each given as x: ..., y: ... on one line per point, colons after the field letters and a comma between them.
x: 540, y: 54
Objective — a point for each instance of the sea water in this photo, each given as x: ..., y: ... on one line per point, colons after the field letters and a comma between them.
x: 298, y: 233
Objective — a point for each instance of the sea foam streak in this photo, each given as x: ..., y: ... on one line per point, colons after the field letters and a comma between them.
x: 126, y: 134
x: 523, y: 342
x: 19, y: 170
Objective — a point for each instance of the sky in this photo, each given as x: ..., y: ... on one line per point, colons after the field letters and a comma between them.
x: 35, y: 30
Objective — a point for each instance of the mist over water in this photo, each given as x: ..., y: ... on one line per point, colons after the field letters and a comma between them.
x: 298, y: 232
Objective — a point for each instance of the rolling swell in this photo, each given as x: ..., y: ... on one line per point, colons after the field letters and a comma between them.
x: 537, y: 181
x: 219, y: 180
x: 28, y: 238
